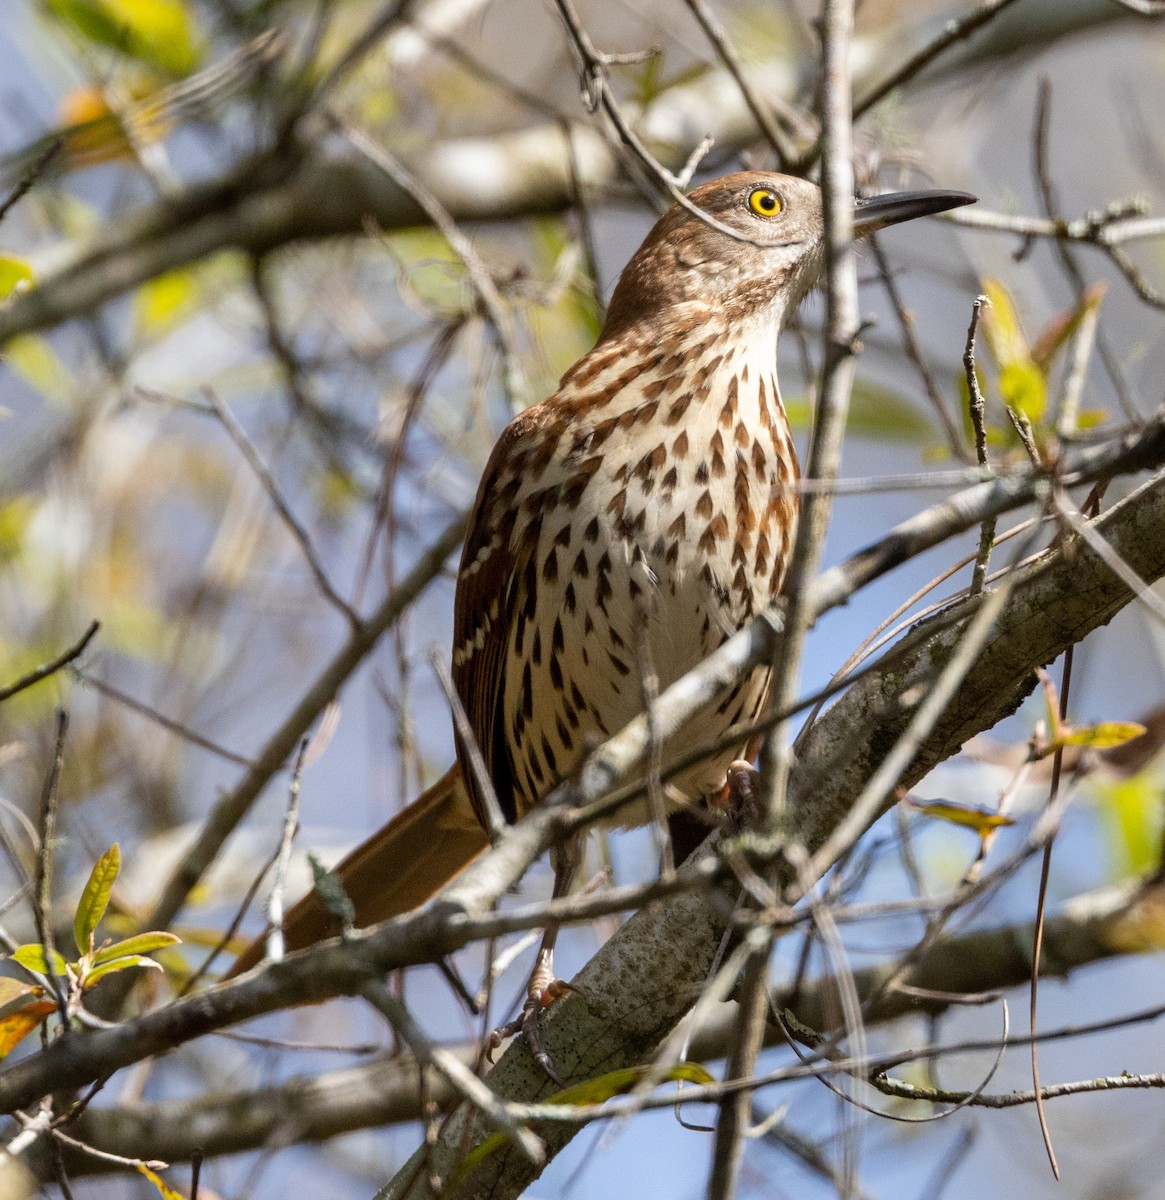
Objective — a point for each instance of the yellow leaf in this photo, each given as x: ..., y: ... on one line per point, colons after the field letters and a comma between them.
x: 13, y: 273
x: 34, y: 360
x: 159, y: 33
x: 166, y: 300
x: 1132, y: 813
x: 163, y: 1187
x: 981, y: 820
x: 14, y: 518
x: 1090, y: 418
x: 1000, y: 324
x: 1022, y: 386
x: 1103, y: 735
x: 22, y: 1008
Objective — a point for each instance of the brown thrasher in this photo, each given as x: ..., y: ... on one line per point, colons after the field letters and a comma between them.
x: 640, y: 515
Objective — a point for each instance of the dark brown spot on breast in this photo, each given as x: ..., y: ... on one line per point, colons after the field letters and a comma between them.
x: 678, y: 407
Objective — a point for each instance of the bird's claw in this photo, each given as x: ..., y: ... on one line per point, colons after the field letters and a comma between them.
x: 740, y: 797
x: 527, y: 1024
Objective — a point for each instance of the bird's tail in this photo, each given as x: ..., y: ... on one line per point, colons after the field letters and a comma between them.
x: 397, y: 868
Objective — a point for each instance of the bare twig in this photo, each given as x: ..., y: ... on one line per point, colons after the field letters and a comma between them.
x: 51, y: 668
x: 42, y: 909
x: 247, y: 448
x: 283, y: 859
x: 953, y: 32
x: 235, y: 804
x: 454, y: 1071
x: 979, y: 424
x: 955, y: 439
x: 761, y: 113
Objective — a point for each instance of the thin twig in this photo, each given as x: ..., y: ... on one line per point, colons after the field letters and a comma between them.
x: 955, y: 439
x: 30, y: 176
x: 953, y: 32
x: 493, y: 305
x: 1041, y: 166
x: 283, y: 860
x: 43, y: 889
x: 248, y: 450
x: 453, y: 1071
x: 716, y: 34
x: 979, y: 424
x: 51, y: 668
x: 158, y: 718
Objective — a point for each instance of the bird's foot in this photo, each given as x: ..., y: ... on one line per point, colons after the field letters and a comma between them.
x: 740, y: 799
x: 540, y: 995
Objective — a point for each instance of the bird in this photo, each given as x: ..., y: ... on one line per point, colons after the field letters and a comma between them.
x: 630, y: 523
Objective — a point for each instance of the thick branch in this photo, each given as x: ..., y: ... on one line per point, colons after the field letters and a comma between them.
x: 1055, y: 602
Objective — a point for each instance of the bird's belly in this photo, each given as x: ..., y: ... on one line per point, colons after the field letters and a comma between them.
x: 645, y: 582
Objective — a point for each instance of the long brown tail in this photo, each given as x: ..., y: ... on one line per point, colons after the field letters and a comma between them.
x: 397, y: 868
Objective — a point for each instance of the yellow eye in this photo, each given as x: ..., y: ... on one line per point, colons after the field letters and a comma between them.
x: 764, y: 202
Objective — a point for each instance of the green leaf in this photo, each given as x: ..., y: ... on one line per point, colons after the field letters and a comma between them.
x: 32, y: 956
x: 13, y: 272
x: 142, y: 943
x: 95, y: 898
x: 118, y: 964
x: 875, y: 412
x: 159, y: 33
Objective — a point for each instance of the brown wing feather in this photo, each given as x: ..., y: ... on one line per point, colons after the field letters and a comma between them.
x: 483, y: 616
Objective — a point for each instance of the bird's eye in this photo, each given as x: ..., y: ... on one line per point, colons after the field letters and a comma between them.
x: 764, y: 202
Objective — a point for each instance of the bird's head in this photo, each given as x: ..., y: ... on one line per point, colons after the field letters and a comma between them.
x: 690, y: 271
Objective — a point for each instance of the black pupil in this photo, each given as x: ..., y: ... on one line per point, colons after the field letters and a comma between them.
x: 767, y: 203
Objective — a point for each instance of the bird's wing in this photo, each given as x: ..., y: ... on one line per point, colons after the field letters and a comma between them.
x: 487, y: 585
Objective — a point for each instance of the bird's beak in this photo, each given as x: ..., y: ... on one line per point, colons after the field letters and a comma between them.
x: 879, y: 211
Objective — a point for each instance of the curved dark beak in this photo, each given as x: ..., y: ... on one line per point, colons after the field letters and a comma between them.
x: 879, y: 211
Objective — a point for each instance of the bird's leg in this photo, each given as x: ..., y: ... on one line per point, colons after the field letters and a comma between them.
x: 740, y: 793
x: 544, y: 987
